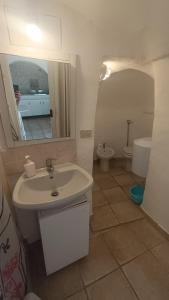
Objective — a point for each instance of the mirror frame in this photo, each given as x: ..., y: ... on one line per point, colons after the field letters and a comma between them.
x: 4, y: 111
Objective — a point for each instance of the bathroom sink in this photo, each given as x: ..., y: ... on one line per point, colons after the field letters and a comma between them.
x: 68, y: 183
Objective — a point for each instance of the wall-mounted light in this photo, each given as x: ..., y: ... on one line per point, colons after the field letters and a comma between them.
x: 112, y: 66
x: 108, y: 67
x: 34, y: 32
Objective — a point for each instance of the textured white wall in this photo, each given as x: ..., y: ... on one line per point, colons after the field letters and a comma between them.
x: 128, y: 94
x: 156, y: 199
x: 80, y: 37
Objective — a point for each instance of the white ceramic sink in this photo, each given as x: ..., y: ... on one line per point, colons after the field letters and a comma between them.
x: 69, y: 180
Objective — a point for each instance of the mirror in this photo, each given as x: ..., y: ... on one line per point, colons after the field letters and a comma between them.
x: 38, y: 97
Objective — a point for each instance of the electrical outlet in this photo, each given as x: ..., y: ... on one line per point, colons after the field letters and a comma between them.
x: 85, y: 134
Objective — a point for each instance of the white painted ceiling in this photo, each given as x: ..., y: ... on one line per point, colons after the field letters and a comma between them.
x: 146, y: 21
x: 112, y: 14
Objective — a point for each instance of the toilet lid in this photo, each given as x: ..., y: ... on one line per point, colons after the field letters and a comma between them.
x: 128, y: 150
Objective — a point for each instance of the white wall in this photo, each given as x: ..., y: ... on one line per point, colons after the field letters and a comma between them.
x: 128, y: 94
x: 156, y: 200
x: 80, y: 37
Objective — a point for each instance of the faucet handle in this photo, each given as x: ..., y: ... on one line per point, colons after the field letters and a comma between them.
x: 104, y: 145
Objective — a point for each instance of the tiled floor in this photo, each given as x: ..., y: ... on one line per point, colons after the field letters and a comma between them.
x: 128, y: 257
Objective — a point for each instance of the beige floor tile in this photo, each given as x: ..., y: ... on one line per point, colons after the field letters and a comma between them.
x: 96, y: 187
x: 147, y: 233
x: 115, y: 195
x: 126, y: 188
x: 124, y: 179
x: 98, y: 263
x: 161, y: 252
x: 36, y: 263
x: 126, y: 211
x: 117, y: 171
x: 90, y: 234
x: 103, y: 218
x: 112, y: 287
x: 105, y: 181
x: 79, y: 296
x: 101, y: 175
x: 123, y: 244
x: 61, y: 284
x: 96, y: 167
x: 148, y: 277
x: 98, y: 199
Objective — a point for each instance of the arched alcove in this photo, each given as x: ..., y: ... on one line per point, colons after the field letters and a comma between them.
x: 29, y: 76
x: 128, y: 93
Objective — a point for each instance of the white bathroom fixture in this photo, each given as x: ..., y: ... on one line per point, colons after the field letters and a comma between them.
x: 141, y: 154
x: 127, y: 150
x: 104, y: 153
x: 65, y: 234
x: 62, y: 206
x: 129, y: 122
x: 128, y: 154
x: 69, y: 182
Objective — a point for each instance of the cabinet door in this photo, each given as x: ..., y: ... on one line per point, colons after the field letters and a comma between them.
x: 24, y: 108
x: 36, y: 107
x: 65, y: 236
x: 45, y: 106
x: 29, y: 108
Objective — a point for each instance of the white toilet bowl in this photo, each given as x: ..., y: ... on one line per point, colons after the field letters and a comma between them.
x: 104, y: 153
x: 128, y: 154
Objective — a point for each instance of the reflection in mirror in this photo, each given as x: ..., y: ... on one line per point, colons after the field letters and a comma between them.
x: 38, y: 96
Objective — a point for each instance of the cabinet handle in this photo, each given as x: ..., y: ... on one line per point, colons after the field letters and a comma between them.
x: 51, y: 113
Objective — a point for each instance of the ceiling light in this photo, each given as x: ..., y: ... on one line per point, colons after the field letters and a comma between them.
x: 34, y: 32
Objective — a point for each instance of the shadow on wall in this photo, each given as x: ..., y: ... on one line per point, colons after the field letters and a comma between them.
x: 127, y: 94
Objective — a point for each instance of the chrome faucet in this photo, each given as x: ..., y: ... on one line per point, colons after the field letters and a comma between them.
x: 50, y: 166
x: 104, y: 146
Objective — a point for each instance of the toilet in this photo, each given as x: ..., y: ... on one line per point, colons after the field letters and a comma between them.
x: 128, y: 154
x: 141, y: 155
x: 104, y: 153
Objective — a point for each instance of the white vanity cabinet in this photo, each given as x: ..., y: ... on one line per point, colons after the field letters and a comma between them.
x: 65, y: 235
x: 63, y: 218
x: 34, y: 105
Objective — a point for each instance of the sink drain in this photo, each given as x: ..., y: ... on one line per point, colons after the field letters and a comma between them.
x: 54, y: 194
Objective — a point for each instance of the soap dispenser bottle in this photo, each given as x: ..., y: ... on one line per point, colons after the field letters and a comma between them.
x: 29, y: 167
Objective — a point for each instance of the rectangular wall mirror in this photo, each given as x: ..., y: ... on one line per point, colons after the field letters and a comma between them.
x: 38, y: 94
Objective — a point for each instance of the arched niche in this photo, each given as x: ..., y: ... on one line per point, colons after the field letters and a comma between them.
x: 29, y: 76
x: 128, y: 93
